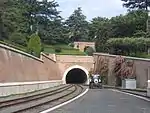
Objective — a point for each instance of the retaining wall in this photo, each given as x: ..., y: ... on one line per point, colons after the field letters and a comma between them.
x: 142, y: 69
x: 7, y: 89
x: 17, y: 67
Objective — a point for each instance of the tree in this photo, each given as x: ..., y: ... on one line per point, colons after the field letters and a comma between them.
x: 89, y: 51
x: 78, y: 26
x: 96, y: 25
x: 99, y: 31
x: 138, y: 4
x: 14, y: 19
x: 130, y: 25
x: 48, y: 22
x: 53, y: 32
x: 18, y: 38
x: 34, y: 45
x: 33, y: 16
x: 2, y: 9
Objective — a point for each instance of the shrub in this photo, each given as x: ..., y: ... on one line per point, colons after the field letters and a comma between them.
x: 89, y: 51
x: 85, y: 48
x: 34, y: 45
x: 42, y: 47
x: 71, y: 44
x: 58, y: 50
x: 127, y: 46
x: 78, y: 46
x: 18, y: 38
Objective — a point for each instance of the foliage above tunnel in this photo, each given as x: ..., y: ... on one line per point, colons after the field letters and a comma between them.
x: 21, y: 18
x: 128, y: 46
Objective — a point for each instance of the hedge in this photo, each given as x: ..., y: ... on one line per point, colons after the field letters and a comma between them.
x: 128, y: 46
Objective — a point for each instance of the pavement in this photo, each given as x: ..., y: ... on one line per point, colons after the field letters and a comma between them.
x: 105, y: 101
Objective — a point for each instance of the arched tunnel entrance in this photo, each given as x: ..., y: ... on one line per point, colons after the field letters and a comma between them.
x: 76, y: 76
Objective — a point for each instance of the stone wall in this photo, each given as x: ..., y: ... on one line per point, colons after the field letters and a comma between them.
x: 142, y: 69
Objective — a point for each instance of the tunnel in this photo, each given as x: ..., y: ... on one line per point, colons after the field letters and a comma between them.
x: 76, y: 76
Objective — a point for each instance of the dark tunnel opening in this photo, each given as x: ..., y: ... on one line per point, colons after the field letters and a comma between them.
x: 76, y: 76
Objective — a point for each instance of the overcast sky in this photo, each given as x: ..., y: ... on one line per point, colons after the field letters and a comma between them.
x: 92, y: 8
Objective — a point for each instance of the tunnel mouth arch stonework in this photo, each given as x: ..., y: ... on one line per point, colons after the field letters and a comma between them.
x: 76, y: 75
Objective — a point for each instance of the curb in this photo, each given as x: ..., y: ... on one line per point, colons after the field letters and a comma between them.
x: 129, y: 91
x: 135, y: 94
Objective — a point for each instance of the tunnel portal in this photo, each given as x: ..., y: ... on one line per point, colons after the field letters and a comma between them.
x: 76, y: 76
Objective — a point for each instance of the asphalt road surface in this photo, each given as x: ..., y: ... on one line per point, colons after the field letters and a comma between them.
x: 105, y: 101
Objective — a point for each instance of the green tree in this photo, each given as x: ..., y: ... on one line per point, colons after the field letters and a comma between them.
x: 34, y: 45
x: 139, y: 4
x: 33, y: 16
x: 134, y: 4
x: 13, y: 18
x: 78, y: 26
x: 3, y: 6
x: 99, y: 31
x: 130, y: 25
x: 48, y: 22
x: 96, y: 25
x: 18, y: 38
x: 89, y: 51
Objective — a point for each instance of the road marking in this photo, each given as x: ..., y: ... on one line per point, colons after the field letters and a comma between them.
x: 144, y: 98
x: 60, y: 105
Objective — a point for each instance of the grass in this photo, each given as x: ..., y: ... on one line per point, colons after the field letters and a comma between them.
x: 141, y: 55
x: 65, y: 50
x: 16, y: 46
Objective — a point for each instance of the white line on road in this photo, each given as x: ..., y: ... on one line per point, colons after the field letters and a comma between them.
x: 60, y: 105
x: 144, y: 98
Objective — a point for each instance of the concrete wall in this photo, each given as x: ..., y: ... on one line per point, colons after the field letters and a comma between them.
x: 27, y: 71
x: 142, y: 69
x: 17, y: 66
x: 7, y: 89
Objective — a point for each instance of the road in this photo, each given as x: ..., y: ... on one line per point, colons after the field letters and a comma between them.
x: 105, y: 101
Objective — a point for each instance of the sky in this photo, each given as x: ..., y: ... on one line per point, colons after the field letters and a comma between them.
x: 92, y: 8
